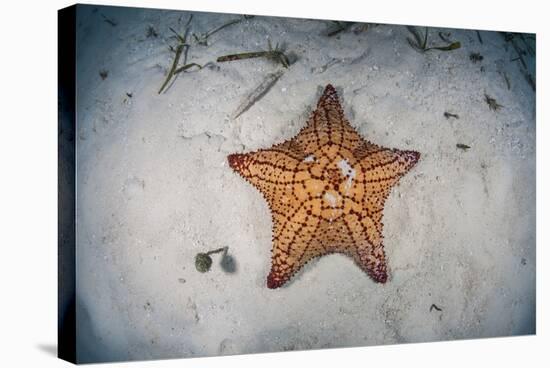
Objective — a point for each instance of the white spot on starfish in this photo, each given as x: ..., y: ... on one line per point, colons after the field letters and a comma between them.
x: 309, y: 158
x: 347, y: 171
x: 331, y: 199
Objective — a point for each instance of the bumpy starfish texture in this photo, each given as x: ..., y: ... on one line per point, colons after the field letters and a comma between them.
x: 326, y: 189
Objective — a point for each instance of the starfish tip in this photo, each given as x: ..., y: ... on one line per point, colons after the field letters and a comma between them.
x: 408, y: 158
x: 329, y: 88
x: 237, y: 161
x: 413, y: 156
x: 382, y: 278
x: 329, y: 97
x: 274, y: 282
x: 379, y: 274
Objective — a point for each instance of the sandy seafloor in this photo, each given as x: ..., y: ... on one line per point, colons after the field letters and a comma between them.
x: 154, y: 189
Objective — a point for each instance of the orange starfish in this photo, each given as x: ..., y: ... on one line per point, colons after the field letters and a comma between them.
x: 326, y: 189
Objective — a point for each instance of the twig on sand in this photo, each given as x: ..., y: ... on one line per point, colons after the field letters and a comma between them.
x: 506, y: 79
x: 445, y: 36
x: 475, y: 57
x: 275, y: 54
x: 110, y: 21
x: 450, y: 115
x: 361, y: 27
x: 529, y: 48
x: 521, y: 52
x: 479, y: 37
x: 340, y: 26
x: 493, y: 105
x: 462, y: 146
x: 179, y: 50
x: 187, y: 66
x: 529, y: 78
x: 510, y: 37
x: 202, y: 39
x: 151, y: 32
x: 420, y: 43
x: 258, y: 93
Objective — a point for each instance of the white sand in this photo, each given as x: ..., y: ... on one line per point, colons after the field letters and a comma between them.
x: 154, y: 189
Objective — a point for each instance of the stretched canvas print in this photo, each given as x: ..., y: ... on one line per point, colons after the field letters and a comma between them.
x: 234, y: 184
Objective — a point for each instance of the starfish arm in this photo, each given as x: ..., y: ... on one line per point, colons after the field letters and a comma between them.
x: 294, y: 244
x: 372, y: 259
x: 266, y: 170
x: 368, y: 248
x: 387, y: 164
x: 370, y: 254
x: 327, y: 124
x: 380, y: 171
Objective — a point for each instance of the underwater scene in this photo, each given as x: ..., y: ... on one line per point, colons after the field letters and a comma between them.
x: 251, y: 184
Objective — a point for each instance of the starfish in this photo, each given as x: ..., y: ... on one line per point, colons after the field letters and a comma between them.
x: 326, y: 190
